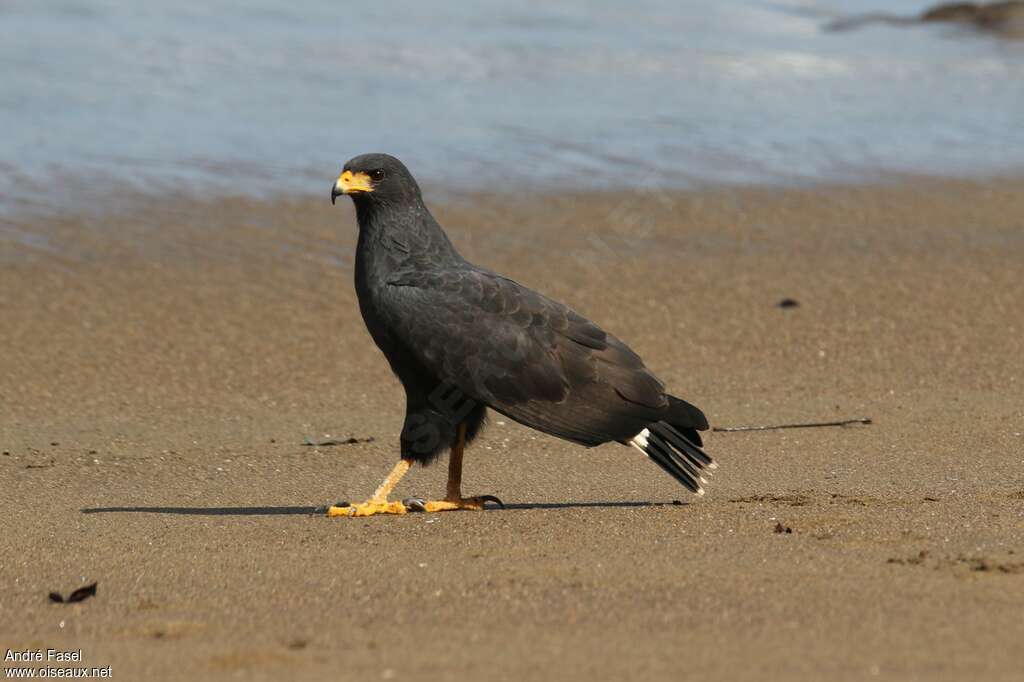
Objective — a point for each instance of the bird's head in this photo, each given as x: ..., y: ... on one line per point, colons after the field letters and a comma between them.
x: 375, y: 178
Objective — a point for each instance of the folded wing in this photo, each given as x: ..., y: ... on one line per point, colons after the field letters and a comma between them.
x: 524, y: 355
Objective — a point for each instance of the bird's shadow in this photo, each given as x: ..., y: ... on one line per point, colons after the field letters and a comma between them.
x: 298, y: 511
x: 585, y: 505
x: 207, y: 511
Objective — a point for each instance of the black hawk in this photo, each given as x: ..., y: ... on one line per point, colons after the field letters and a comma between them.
x: 463, y: 339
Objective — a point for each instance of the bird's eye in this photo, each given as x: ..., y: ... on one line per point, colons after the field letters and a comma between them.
x: 377, y: 175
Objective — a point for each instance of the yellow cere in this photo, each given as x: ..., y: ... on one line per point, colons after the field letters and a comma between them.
x: 349, y: 182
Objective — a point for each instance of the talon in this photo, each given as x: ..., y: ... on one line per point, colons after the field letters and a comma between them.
x: 416, y: 504
x: 491, y: 498
x: 335, y: 511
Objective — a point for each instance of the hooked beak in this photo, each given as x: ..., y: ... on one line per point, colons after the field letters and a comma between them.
x: 351, y: 183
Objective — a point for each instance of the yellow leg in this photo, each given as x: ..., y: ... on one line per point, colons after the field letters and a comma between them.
x: 453, y: 499
x: 378, y: 503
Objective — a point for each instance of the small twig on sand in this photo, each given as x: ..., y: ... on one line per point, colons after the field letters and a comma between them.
x: 804, y: 425
x: 310, y: 442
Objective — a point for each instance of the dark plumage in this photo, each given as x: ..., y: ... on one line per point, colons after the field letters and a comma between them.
x: 462, y: 338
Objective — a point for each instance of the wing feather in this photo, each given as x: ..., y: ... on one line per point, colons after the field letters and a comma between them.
x: 523, y: 354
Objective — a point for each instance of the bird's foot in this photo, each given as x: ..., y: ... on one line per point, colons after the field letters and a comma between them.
x: 416, y: 504
x: 368, y: 508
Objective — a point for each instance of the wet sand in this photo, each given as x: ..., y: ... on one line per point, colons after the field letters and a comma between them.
x: 162, y: 365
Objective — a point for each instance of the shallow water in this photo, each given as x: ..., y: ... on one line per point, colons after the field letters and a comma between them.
x: 262, y: 97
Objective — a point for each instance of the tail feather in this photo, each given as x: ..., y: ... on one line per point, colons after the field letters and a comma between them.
x: 686, y: 443
x: 669, y: 448
x: 662, y: 458
x: 677, y: 459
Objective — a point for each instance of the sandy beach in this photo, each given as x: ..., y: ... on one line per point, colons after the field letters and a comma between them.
x: 163, y: 363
